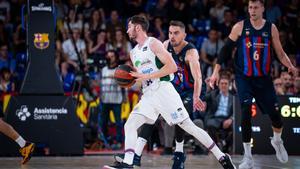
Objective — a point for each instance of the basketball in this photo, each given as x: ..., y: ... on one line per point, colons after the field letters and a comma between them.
x: 122, y: 76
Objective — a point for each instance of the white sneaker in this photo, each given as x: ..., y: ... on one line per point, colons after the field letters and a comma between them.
x: 247, y: 163
x: 281, y: 153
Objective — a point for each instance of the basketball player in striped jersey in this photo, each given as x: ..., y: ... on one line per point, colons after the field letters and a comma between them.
x: 254, y: 39
x: 155, y: 67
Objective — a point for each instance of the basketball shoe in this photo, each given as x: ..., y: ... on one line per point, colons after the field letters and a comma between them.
x: 27, y: 151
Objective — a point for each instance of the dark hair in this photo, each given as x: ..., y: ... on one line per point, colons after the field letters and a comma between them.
x: 261, y: 1
x: 177, y: 23
x: 140, y: 20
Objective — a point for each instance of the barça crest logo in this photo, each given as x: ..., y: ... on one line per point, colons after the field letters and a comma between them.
x: 41, y: 40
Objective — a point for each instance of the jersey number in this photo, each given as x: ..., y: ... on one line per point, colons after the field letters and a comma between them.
x: 256, y: 55
x: 149, y: 82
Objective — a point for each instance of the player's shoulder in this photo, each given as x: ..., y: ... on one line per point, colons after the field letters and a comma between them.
x: 166, y: 43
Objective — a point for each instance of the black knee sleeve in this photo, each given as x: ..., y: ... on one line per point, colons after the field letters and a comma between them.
x: 179, y: 134
x: 276, y: 117
x: 146, y: 131
x: 246, y: 123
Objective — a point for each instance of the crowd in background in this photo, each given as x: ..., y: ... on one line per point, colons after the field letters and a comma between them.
x: 99, y: 30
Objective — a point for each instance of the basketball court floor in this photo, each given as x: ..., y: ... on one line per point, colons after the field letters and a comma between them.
x: 149, y: 162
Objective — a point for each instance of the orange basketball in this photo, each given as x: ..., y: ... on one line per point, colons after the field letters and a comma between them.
x: 122, y: 76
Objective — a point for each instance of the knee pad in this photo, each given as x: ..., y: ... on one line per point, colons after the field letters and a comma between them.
x: 276, y: 117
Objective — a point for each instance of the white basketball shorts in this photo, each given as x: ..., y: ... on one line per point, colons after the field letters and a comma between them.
x: 162, y: 99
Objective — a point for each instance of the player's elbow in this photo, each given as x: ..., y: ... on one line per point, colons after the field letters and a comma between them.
x: 173, y: 67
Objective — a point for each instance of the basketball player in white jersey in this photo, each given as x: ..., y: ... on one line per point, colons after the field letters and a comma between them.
x: 155, y: 67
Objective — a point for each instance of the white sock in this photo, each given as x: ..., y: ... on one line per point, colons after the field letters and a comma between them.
x: 247, y: 149
x: 140, y: 144
x: 217, y: 152
x: 128, y: 159
x: 179, y: 146
x: 277, y: 136
x: 20, y: 141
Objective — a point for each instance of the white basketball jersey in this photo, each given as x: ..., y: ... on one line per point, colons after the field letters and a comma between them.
x: 145, y: 61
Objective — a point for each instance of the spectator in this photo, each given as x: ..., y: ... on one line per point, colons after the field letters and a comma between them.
x: 19, y: 39
x: 111, y: 96
x: 121, y: 45
x: 4, y: 35
x: 73, y: 20
x: 217, y: 12
x: 86, y: 9
x: 70, y: 55
x: 177, y: 11
x: 287, y: 83
x: 4, y: 11
x: 297, y: 86
x: 210, y: 50
x: 219, y: 114
x: 278, y: 85
x: 97, y: 49
x: 226, y: 26
x: 291, y: 14
x: 158, y: 30
x: 6, y: 60
x: 273, y: 12
x: 95, y: 24
x: 114, y: 23
x: 160, y: 9
x: 6, y: 83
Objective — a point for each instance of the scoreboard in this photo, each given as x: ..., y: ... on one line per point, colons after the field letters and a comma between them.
x: 261, y: 127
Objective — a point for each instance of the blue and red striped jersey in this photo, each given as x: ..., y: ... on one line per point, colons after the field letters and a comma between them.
x: 254, y: 50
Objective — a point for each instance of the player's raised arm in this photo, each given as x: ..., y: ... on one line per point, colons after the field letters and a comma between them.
x: 282, y: 56
x: 226, y: 51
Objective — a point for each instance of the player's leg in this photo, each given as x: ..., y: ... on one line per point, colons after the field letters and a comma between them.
x: 179, y: 156
x: 245, y: 94
x: 26, y: 148
x: 142, y: 113
x: 144, y: 134
x: 173, y: 111
x: 267, y: 102
x: 206, y: 140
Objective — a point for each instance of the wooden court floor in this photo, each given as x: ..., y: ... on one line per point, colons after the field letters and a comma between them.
x: 149, y: 162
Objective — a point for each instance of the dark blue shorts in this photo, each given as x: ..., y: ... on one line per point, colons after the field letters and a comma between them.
x: 259, y: 88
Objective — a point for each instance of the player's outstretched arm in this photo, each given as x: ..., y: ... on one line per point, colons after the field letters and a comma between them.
x: 282, y: 56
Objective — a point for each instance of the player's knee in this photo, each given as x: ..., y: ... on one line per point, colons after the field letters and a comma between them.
x: 129, y: 126
x: 276, y: 117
